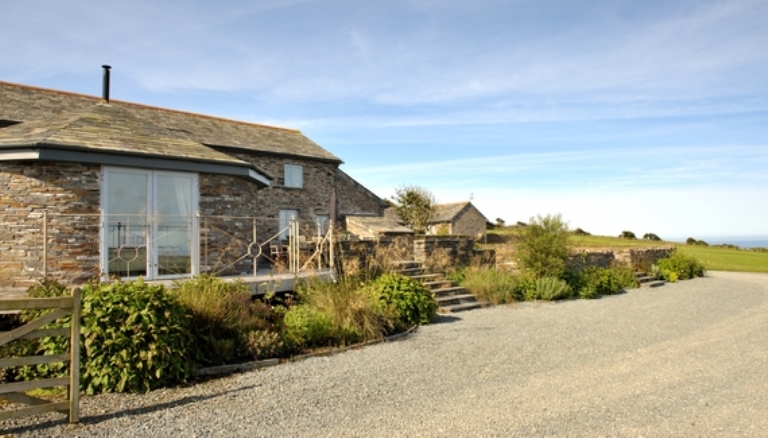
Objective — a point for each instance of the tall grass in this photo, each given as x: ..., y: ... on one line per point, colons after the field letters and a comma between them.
x: 222, y: 315
x: 491, y: 284
x: 355, y: 312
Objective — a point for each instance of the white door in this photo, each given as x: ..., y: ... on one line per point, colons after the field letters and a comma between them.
x: 285, y: 220
x: 149, y: 225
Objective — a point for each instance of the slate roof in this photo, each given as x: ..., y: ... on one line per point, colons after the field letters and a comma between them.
x: 109, y: 128
x: 24, y: 103
x: 447, y: 212
x: 375, y: 225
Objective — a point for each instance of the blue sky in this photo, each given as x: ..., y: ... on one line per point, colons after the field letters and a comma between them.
x: 649, y: 116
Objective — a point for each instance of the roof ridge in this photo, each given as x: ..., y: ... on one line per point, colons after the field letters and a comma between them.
x: 157, y: 108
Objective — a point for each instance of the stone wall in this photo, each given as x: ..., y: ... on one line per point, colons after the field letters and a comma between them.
x: 353, y: 198
x: 320, y: 179
x: 228, y: 212
x: 639, y: 258
x: 439, y: 252
x: 69, y: 194
x: 469, y: 222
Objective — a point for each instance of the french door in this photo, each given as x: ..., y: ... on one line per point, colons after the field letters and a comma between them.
x: 149, y: 227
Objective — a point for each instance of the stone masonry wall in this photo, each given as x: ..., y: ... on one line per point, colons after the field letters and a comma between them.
x: 353, y: 198
x: 639, y: 258
x: 228, y: 209
x: 443, y: 250
x: 70, y: 195
x: 469, y: 223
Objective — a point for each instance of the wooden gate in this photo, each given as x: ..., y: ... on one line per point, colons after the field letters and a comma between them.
x: 15, y: 391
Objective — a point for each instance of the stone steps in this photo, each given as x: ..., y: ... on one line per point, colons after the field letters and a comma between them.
x: 450, y: 298
x: 647, y: 281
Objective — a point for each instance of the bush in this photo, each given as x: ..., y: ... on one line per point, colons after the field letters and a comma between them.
x: 305, y: 326
x: 627, y: 235
x: 595, y: 282
x: 136, y: 337
x: 413, y: 303
x: 263, y: 344
x: 549, y: 289
x: 490, y: 284
x: 356, y: 312
x: 681, y: 265
x: 223, y: 315
x: 543, y: 249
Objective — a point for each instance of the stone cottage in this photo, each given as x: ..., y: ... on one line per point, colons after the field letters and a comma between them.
x: 458, y: 218
x: 122, y: 189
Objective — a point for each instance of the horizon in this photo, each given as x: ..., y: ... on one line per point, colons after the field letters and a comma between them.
x: 643, y: 116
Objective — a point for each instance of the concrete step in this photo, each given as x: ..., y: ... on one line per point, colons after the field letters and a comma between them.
x: 405, y: 264
x: 645, y: 278
x: 427, y: 277
x: 455, y: 299
x: 438, y: 284
x: 448, y: 291
x: 410, y: 272
x: 461, y: 307
x: 654, y: 283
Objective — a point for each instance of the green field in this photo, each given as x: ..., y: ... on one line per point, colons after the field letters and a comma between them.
x: 723, y: 259
x: 715, y: 259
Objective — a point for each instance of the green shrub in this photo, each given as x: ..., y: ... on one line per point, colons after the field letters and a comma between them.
x: 413, y: 302
x: 263, y: 344
x: 223, y: 315
x: 305, y: 326
x: 544, y: 249
x: 683, y: 266
x: 595, y: 282
x: 549, y: 289
x: 357, y: 312
x: 136, y: 337
x: 490, y: 284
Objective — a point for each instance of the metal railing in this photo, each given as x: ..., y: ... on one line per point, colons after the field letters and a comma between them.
x: 43, y: 245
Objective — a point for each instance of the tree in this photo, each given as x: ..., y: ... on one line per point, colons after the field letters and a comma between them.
x: 415, y: 206
x: 544, y: 249
x: 627, y: 235
x: 500, y: 222
x: 651, y: 236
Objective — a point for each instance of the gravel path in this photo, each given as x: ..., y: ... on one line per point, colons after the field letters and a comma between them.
x: 686, y: 359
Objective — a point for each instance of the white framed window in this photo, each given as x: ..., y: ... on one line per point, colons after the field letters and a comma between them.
x: 148, y: 223
x: 294, y: 176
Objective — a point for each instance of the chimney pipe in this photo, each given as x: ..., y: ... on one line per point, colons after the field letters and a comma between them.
x: 105, y: 84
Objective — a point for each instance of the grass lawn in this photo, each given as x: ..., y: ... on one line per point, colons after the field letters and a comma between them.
x: 723, y: 259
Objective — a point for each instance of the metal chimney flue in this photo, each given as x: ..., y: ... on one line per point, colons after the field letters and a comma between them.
x: 105, y: 84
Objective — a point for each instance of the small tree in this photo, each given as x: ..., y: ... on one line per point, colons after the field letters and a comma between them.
x: 651, y: 236
x: 627, y: 235
x: 544, y: 249
x: 500, y: 222
x: 415, y: 206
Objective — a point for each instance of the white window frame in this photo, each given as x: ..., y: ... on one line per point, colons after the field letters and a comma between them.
x: 293, y: 176
x: 151, y: 247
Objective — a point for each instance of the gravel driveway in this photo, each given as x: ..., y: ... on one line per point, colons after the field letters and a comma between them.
x: 686, y: 359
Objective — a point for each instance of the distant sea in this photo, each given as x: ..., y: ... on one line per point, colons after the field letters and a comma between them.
x: 740, y: 241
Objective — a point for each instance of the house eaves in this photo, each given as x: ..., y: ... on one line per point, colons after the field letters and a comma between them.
x: 104, y: 134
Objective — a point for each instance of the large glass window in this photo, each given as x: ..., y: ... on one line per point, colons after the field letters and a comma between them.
x: 149, y: 223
